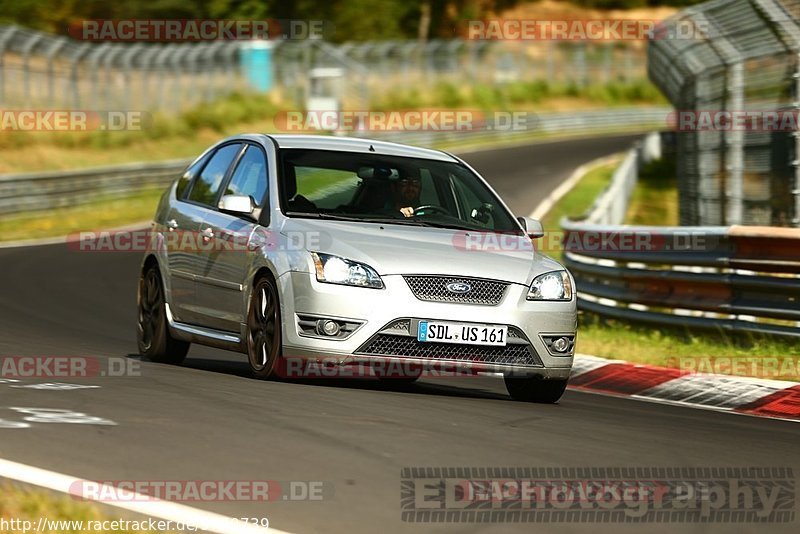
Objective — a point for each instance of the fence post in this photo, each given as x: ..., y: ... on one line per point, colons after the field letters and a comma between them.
x: 51, y: 72
x: 26, y: 68
x: 796, y: 159
x: 734, y: 151
x: 85, y: 49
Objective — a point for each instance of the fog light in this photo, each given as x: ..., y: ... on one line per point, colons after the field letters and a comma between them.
x: 561, y: 344
x: 327, y: 327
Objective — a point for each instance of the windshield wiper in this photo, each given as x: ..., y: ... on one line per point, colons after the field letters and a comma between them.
x: 451, y: 226
x: 335, y: 217
x: 387, y: 220
x: 319, y: 215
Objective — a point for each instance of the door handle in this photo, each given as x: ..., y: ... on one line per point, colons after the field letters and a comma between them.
x: 207, y: 234
x: 172, y: 224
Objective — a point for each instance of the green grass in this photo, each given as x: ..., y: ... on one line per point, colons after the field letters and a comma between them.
x: 537, y: 94
x: 574, y: 204
x: 655, y: 198
x: 31, y: 504
x: 703, y: 351
x: 99, y: 214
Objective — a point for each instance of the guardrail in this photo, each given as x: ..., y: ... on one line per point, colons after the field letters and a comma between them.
x: 573, y: 123
x: 42, y: 191
x: 743, y: 278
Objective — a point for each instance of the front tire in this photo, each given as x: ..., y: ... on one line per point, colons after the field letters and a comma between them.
x: 152, y: 332
x: 530, y: 389
x: 264, y: 329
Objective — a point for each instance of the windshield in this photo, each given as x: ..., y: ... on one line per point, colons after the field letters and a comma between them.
x: 388, y: 189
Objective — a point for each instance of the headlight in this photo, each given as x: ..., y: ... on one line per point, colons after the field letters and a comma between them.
x: 336, y: 270
x: 554, y: 285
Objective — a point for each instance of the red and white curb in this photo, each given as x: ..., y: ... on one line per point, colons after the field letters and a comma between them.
x: 743, y: 395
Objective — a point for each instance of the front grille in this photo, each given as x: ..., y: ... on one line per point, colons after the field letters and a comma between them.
x: 391, y: 342
x: 434, y: 289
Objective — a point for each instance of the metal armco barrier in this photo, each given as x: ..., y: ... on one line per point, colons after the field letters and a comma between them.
x: 574, y: 123
x: 744, y: 278
x: 41, y: 191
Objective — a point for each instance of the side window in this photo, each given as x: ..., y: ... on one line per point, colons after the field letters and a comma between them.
x: 250, y: 176
x: 206, y: 186
x: 475, y: 211
x: 188, y: 176
x: 428, y: 190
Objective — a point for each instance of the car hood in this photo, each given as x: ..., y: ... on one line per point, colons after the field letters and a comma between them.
x: 397, y: 249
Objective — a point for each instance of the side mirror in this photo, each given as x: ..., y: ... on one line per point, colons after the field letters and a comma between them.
x: 533, y: 227
x: 237, y: 204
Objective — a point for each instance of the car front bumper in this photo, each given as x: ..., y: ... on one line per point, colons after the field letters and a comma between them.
x: 384, y: 328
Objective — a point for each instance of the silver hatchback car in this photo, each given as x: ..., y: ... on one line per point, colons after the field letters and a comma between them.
x: 316, y: 255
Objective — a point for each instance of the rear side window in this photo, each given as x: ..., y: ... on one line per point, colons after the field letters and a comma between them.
x: 250, y: 176
x: 206, y: 186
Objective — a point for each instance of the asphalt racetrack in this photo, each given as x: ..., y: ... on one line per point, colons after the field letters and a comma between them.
x: 206, y: 420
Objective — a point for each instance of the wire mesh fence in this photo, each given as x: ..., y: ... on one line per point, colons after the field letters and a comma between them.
x: 741, y: 60
x: 54, y: 72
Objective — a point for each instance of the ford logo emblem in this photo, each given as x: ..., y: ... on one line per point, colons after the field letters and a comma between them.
x: 459, y: 287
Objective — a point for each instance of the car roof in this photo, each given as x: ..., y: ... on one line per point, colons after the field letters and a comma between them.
x: 357, y: 144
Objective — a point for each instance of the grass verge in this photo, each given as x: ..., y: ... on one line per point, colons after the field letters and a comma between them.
x: 537, y: 95
x: 655, y: 198
x: 27, y: 505
x: 712, y: 351
x: 574, y: 204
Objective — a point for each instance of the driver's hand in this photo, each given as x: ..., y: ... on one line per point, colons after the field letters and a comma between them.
x: 407, y: 212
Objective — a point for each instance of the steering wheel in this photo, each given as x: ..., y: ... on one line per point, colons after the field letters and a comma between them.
x: 419, y: 210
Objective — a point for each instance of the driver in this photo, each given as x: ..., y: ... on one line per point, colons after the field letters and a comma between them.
x: 405, y: 194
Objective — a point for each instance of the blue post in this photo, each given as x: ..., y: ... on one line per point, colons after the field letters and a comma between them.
x: 256, y: 64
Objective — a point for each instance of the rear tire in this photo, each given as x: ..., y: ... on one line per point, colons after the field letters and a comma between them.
x: 152, y: 332
x: 264, y: 329
x: 529, y: 389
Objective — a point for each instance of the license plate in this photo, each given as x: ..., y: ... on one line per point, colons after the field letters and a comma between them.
x: 462, y: 333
